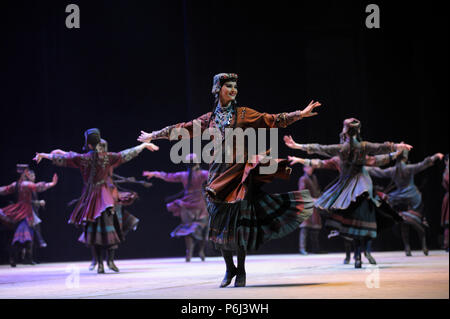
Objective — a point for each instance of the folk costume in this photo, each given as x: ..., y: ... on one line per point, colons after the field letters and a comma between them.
x: 21, y: 215
x: 190, y: 207
x: 355, y: 210
x: 406, y: 198
x: 95, y: 210
x: 241, y: 216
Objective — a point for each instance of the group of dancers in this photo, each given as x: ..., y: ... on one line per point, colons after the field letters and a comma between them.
x: 404, y: 203
x: 226, y: 204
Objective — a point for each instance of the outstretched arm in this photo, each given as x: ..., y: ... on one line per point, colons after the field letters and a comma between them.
x: 167, y: 177
x: 43, y: 186
x: 325, y: 150
x: 7, y: 190
x: 176, y: 129
x: 383, y: 148
x: 130, y: 153
x: 332, y: 163
x: 256, y: 119
x: 61, y: 158
x: 382, y: 159
x: 427, y: 162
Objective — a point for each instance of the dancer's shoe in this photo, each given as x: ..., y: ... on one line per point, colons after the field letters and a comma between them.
x: 229, y: 275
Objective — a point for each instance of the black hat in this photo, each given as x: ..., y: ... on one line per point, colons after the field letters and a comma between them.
x: 91, y: 136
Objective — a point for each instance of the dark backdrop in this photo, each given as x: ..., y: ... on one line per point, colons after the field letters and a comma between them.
x: 137, y: 65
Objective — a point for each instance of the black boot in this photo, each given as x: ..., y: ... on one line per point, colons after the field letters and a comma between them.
x: 231, y: 268
x: 358, y: 262
x: 241, y: 276
x: 94, y: 259
x: 348, y: 250
x: 13, y: 255
x: 201, y: 251
x: 408, y: 250
x: 110, y: 262
x: 424, y: 246
x: 358, y: 247
x: 404, y: 230
x: 367, y: 252
x: 98, y: 253
x: 28, y: 260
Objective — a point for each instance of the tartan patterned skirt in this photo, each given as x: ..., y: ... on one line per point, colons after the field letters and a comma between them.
x: 23, y: 233
x: 109, y: 229
x: 250, y: 223
x: 363, y: 218
x: 105, y: 231
x: 357, y: 221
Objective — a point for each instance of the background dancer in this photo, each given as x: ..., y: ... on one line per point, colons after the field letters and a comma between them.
x: 312, y: 226
x: 122, y: 198
x: 95, y: 210
x: 242, y: 216
x: 350, y: 201
x: 191, y: 208
x: 334, y: 164
x: 20, y: 215
x: 406, y: 198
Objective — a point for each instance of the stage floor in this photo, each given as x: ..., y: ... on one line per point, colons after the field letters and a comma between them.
x: 268, y: 276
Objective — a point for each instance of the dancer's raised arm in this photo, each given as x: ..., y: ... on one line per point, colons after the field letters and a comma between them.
x: 256, y: 119
x: 167, y: 177
x: 427, y: 162
x: 332, y: 163
x: 75, y: 160
x: 335, y: 149
x: 250, y: 117
x: 201, y: 121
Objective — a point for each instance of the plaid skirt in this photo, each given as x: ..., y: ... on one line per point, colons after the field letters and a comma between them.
x: 109, y: 229
x: 357, y: 221
x: 105, y: 231
x: 363, y: 218
x: 23, y: 233
x: 248, y: 224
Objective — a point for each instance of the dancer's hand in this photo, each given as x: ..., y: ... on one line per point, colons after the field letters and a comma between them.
x: 38, y: 157
x: 439, y: 155
x: 42, y: 203
x: 55, y: 179
x: 289, y: 141
x: 151, y: 147
x: 145, y: 137
x: 308, y: 111
x: 149, y: 174
x: 402, y: 146
x: 294, y: 160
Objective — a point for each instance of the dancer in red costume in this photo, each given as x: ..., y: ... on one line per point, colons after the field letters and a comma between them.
x: 95, y: 210
x: 21, y: 215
